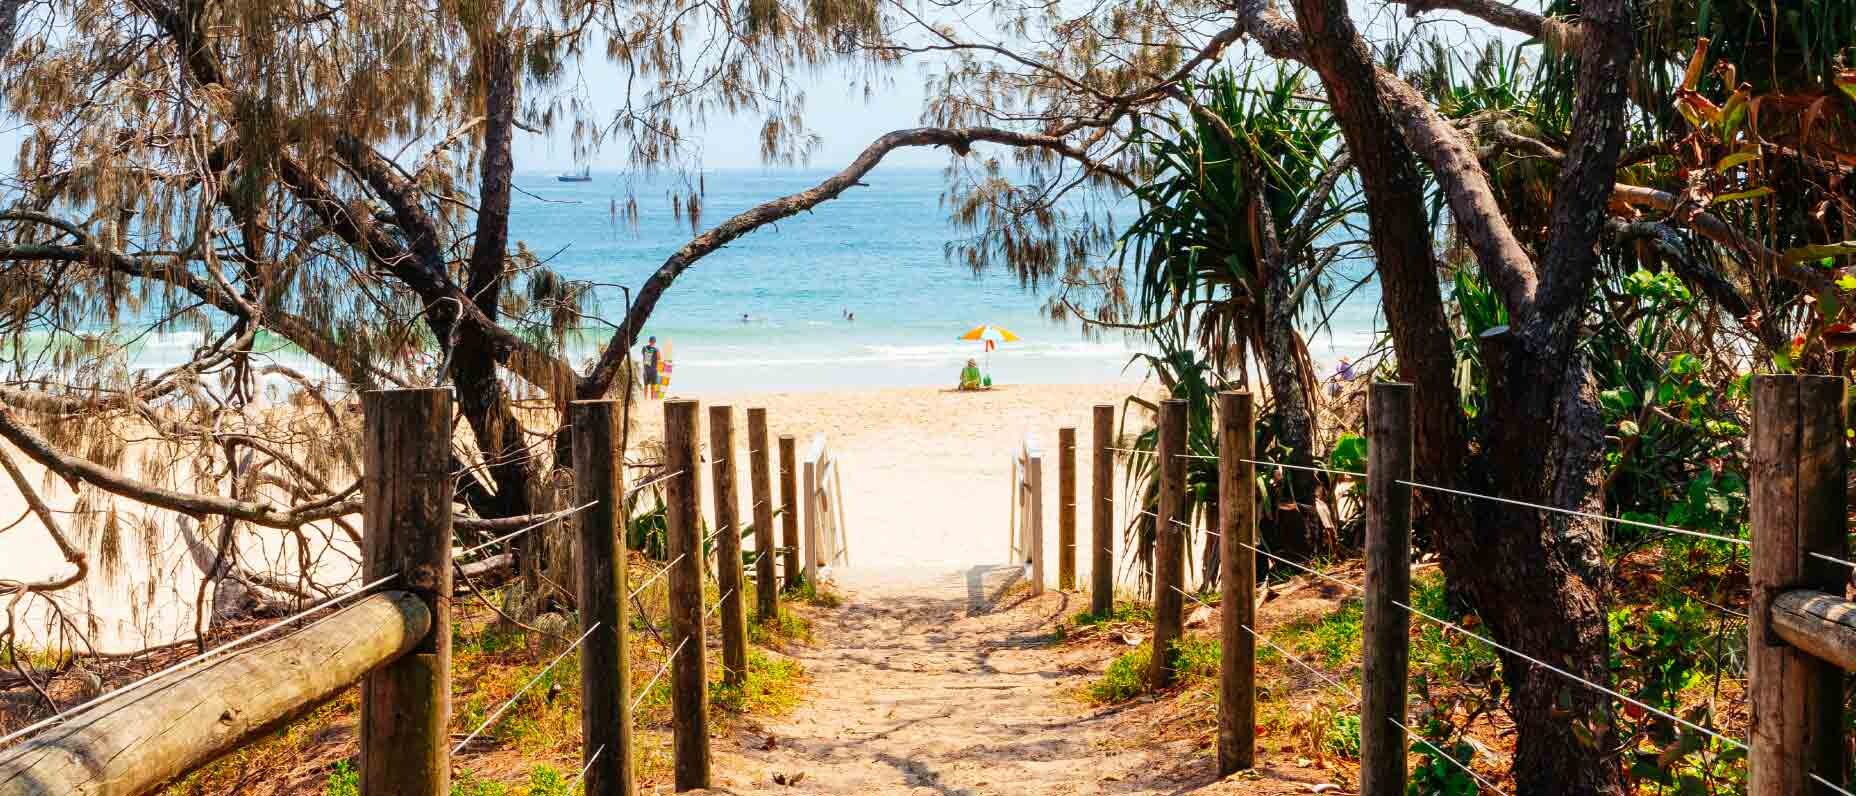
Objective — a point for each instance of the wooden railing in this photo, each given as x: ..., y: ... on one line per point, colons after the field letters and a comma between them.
x: 396, y: 643
x: 1801, y: 628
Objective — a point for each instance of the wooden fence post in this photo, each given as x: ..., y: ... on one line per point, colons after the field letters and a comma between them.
x: 605, y: 656
x: 1797, y: 506
x: 1237, y: 578
x: 689, y: 680
x: 789, y: 518
x: 1169, y: 541
x: 1034, y: 516
x: 760, y: 488
x: 1102, y: 514
x: 1066, y: 508
x: 728, y: 580
x: 1386, y: 635
x: 406, y: 530
x: 809, y: 499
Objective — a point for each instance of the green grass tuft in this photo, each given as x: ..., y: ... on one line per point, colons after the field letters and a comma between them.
x: 775, y: 684
x: 784, y: 626
x: 1126, y: 676
x: 1126, y: 611
x: 343, y: 781
x: 1334, y: 639
x: 812, y: 594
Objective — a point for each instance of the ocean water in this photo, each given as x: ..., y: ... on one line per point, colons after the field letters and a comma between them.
x: 876, y: 253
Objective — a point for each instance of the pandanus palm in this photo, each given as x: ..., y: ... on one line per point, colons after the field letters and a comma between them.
x: 1226, y: 249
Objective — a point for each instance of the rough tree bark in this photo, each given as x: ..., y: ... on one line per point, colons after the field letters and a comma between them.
x: 1531, y: 577
x: 1298, y: 532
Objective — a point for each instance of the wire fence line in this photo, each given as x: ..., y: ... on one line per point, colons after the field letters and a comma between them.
x: 1156, y: 518
x: 718, y: 603
x: 1834, y: 560
x: 1339, y: 687
x: 668, y: 660
x: 1309, y: 468
x: 1330, y: 680
x: 1322, y: 575
x: 359, y: 591
x: 651, y: 483
x: 654, y: 576
x: 1831, y: 785
x: 1509, y: 501
x: 1573, y: 677
x: 525, y: 687
x: 1443, y: 754
x: 525, y: 529
x: 1576, y: 513
x: 588, y: 767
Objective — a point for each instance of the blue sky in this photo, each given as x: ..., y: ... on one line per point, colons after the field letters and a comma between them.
x: 840, y: 114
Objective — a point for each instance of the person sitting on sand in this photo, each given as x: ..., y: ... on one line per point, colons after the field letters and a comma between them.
x: 970, y: 376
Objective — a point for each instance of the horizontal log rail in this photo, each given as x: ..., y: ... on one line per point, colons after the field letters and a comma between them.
x: 1818, y: 623
x: 134, y: 744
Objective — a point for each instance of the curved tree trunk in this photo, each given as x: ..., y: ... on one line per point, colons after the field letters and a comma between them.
x: 1537, y: 578
x: 1299, y: 529
x: 1528, y: 572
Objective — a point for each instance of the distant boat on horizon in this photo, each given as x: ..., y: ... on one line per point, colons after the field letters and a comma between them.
x: 584, y: 175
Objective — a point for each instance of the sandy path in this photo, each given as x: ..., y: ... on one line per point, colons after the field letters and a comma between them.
x: 927, y: 686
x: 926, y: 471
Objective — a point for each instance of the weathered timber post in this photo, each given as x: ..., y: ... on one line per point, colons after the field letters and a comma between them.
x: 605, y: 669
x: 789, y: 518
x: 1237, y: 578
x: 760, y: 489
x: 728, y: 580
x: 1034, y: 516
x: 1797, y: 506
x: 1386, y: 636
x: 407, y: 488
x: 1169, y: 542
x: 689, y: 679
x: 809, y: 499
x: 1066, y: 508
x: 1102, y: 514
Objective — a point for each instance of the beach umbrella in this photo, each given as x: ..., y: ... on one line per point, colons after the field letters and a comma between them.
x: 991, y: 335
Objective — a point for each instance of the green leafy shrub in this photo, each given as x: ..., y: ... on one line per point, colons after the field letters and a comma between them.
x: 1437, y: 776
x: 343, y: 780
x: 1343, y: 736
x: 1126, y: 676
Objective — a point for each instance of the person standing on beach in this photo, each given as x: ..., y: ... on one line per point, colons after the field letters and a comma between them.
x: 649, y: 354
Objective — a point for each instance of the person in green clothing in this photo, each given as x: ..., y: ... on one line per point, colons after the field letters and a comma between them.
x: 970, y: 376
x: 650, y: 367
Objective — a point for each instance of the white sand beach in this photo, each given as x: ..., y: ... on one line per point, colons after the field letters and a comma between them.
x: 925, y: 473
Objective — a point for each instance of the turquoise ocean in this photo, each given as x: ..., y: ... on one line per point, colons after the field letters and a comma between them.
x: 876, y: 253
